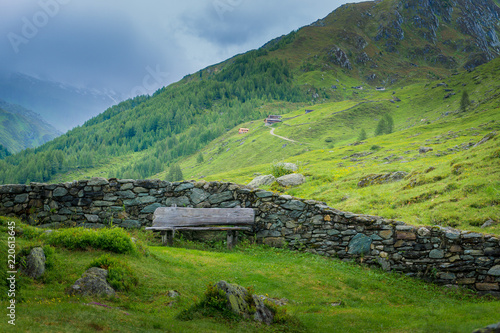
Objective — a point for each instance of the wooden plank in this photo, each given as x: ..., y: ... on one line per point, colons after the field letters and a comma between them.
x: 183, y: 216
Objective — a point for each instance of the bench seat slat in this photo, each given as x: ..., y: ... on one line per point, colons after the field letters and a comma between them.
x: 182, y: 216
x: 202, y: 228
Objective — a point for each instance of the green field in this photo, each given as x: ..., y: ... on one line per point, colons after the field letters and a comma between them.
x: 325, y: 295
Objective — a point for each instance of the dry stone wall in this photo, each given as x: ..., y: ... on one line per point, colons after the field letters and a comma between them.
x: 443, y: 255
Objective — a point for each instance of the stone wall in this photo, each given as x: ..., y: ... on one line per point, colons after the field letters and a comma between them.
x: 443, y: 255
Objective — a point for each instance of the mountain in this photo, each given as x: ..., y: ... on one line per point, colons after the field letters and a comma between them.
x: 21, y: 128
x: 61, y: 105
x: 390, y: 44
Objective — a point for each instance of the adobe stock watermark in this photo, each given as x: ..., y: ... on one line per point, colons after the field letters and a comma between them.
x: 224, y: 6
x: 31, y: 26
x: 151, y: 82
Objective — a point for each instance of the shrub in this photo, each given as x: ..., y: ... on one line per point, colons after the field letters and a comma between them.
x: 114, y: 239
x: 120, y: 276
x: 279, y: 169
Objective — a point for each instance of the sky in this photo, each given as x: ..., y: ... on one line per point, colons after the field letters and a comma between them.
x: 136, y: 47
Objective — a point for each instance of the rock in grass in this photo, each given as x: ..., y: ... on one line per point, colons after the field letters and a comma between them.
x: 241, y: 303
x: 262, y: 181
x: 293, y: 179
x: 495, y: 328
x: 93, y: 282
x: 374, y: 179
x: 35, y: 263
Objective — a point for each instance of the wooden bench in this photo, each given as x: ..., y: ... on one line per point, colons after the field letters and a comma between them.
x: 169, y: 219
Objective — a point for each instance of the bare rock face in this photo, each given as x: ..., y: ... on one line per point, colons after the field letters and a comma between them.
x: 35, y: 263
x: 93, y: 282
x: 338, y: 57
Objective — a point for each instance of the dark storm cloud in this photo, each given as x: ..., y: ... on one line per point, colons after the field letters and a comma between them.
x: 119, y: 44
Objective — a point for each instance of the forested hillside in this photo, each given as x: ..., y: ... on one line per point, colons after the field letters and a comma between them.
x: 174, y: 122
x: 386, y: 43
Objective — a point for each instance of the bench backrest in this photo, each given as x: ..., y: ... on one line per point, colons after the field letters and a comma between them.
x: 185, y: 217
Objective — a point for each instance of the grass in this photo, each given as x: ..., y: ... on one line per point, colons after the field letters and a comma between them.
x: 325, y: 295
x: 449, y: 186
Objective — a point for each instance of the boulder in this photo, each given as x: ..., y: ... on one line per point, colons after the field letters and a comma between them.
x: 495, y: 328
x: 93, y: 282
x: 423, y: 150
x: 289, y: 166
x: 293, y: 179
x: 238, y: 303
x: 35, y: 263
x: 262, y: 181
x: 373, y: 179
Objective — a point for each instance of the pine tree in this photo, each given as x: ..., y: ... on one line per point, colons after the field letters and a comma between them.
x: 200, y: 158
x: 175, y: 173
x: 465, y: 101
x: 381, y: 126
x: 362, y: 135
x: 389, y: 124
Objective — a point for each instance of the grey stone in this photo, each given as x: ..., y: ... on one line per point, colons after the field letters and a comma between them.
x: 93, y: 282
x: 21, y: 198
x: 374, y: 179
x: 488, y: 223
x: 494, y: 328
x: 131, y: 224
x: 237, y: 302
x: 264, y: 194
x: 140, y: 190
x: 178, y: 201
x: 294, y: 179
x: 184, y: 186
x: 436, y: 254
x: 423, y: 150
x: 60, y: 192
x: 495, y: 270
x: 359, y: 244
x: 472, y: 235
x: 294, y: 205
x: 98, y: 182
x: 220, y: 197
x: 126, y: 186
x: 198, y: 195
x: 126, y: 194
x: 262, y: 181
x: 384, y: 263
x: 151, y: 208
x: 92, y: 218
x: 35, y: 263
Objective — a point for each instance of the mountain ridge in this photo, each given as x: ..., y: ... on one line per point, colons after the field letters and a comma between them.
x: 21, y: 128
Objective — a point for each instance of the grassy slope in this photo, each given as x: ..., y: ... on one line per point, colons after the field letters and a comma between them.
x: 463, y: 190
x: 372, y: 301
x: 18, y: 132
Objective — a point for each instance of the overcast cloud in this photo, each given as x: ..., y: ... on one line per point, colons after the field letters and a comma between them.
x: 117, y: 45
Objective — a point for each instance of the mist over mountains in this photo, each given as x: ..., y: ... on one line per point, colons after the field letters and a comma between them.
x: 63, y: 106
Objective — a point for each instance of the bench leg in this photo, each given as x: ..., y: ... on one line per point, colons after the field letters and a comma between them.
x: 167, y: 237
x: 232, y: 238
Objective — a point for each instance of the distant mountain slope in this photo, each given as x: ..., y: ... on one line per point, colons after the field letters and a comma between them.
x: 63, y: 106
x: 21, y: 128
x: 383, y: 43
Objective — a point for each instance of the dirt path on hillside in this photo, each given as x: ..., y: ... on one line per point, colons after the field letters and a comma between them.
x: 282, y: 137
